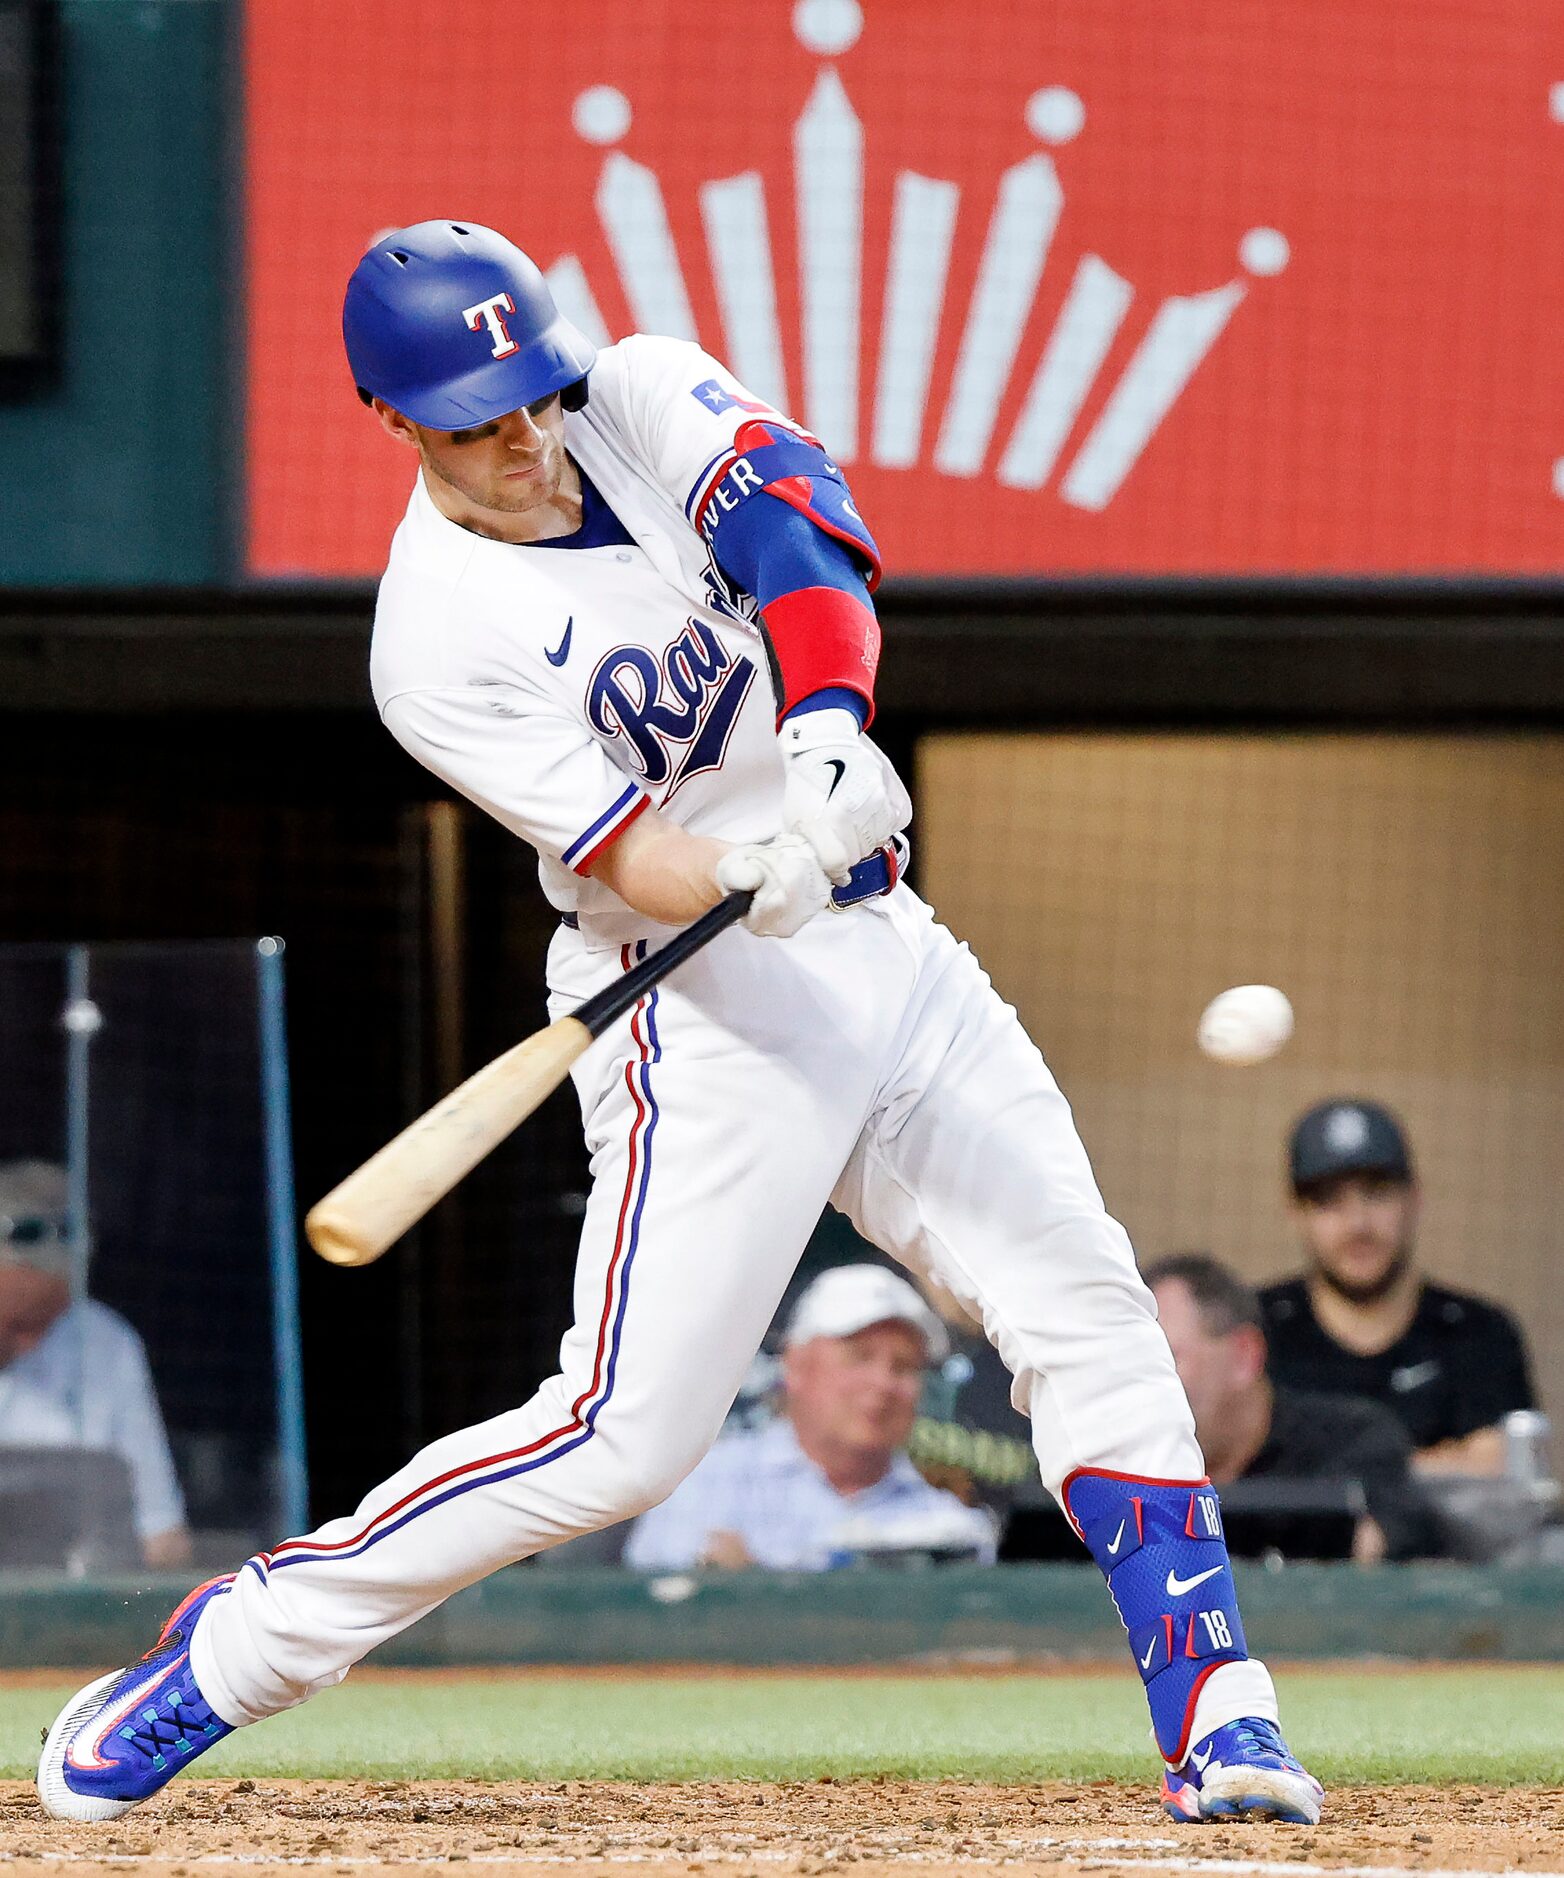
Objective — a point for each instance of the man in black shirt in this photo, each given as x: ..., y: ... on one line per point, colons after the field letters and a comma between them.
x: 1334, y: 1470
x: 1363, y: 1321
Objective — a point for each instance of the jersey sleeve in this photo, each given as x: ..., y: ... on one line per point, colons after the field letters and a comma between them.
x: 536, y: 770
x: 686, y: 411
x: 712, y: 444
x: 773, y: 508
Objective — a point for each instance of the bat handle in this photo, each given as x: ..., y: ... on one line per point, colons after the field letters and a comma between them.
x: 600, y: 1010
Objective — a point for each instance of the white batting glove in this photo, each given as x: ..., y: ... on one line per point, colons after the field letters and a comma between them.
x: 786, y: 879
x: 841, y: 793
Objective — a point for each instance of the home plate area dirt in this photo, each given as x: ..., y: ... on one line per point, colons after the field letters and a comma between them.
x: 806, y: 1828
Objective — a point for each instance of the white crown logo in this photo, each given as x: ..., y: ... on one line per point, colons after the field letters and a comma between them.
x: 829, y: 185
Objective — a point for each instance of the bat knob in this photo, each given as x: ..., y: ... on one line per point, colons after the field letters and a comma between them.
x: 333, y: 1238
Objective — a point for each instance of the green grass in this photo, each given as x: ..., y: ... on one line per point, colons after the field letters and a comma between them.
x: 1365, y: 1724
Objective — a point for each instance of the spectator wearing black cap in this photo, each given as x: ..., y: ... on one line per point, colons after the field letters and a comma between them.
x: 1363, y: 1320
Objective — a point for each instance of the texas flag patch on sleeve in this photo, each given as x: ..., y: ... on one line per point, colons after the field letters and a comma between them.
x: 716, y: 397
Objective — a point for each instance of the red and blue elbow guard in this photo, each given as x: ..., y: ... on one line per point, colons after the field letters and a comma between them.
x: 780, y: 522
x: 823, y: 640
x: 1161, y: 1547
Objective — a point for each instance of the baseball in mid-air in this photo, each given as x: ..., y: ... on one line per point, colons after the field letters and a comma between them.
x: 1245, y: 1025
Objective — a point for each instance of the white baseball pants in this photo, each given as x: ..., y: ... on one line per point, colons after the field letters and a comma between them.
x: 867, y: 1061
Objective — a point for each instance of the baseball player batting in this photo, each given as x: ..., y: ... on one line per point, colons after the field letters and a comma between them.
x: 628, y: 612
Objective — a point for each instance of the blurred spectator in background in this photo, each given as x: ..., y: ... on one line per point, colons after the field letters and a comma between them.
x: 969, y: 1435
x: 75, y: 1374
x: 1362, y: 1320
x: 828, y: 1481
x: 1251, y: 1429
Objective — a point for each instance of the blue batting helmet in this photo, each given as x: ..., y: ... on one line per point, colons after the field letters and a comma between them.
x: 453, y: 326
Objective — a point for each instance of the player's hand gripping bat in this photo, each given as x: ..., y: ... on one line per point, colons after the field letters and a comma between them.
x: 393, y: 1190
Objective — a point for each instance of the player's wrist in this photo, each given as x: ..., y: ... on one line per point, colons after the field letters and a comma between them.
x: 700, y: 857
x: 831, y: 698
x: 812, y: 730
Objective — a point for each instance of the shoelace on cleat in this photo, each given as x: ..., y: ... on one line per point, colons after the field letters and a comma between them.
x: 155, y: 1736
x: 1264, y: 1736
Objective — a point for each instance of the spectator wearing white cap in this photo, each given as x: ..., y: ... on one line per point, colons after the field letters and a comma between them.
x: 828, y: 1481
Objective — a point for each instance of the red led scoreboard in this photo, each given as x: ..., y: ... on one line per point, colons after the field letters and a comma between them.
x: 1097, y: 286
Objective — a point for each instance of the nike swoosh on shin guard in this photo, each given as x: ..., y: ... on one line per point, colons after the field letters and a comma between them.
x: 1157, y: 1541
x: 1178, y: 1586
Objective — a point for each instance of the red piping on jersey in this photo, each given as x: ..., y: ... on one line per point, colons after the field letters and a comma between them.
x: 823, y: 638
x: 638, y: 1130
x: 637, y: 1150
x: 583, y: 862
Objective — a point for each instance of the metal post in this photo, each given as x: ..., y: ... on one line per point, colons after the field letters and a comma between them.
x: 81, y: 1021
x: 282, y: 1238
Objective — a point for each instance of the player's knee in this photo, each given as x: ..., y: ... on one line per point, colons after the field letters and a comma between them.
x: 633, y: 1475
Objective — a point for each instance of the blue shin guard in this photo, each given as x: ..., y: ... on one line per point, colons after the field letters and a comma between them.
x: 1160, y: 1545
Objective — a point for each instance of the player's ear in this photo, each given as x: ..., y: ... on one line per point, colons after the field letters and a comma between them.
x: 402, y: 428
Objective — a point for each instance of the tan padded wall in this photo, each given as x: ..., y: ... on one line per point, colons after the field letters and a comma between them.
x: 1406, y: 892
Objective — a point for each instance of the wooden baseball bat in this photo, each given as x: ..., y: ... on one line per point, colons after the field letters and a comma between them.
x: 379, y: 1201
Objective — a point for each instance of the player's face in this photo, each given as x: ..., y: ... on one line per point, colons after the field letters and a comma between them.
x: 857, y: 1393
x: 30, y: 1301
x: 504, y: 468
x: 1358, y: 1232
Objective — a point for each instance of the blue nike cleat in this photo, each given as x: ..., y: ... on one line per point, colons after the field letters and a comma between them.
x: 127, y: 1734
x: 1242, y: 1770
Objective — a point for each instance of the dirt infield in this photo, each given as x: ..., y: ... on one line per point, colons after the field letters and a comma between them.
x: 804, y: 1828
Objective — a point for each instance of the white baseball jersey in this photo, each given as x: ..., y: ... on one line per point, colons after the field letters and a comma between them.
x: 563, y: 688
x: 865, y: 1062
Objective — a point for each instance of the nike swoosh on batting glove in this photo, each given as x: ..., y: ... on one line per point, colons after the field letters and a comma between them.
x: 840, y: 793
